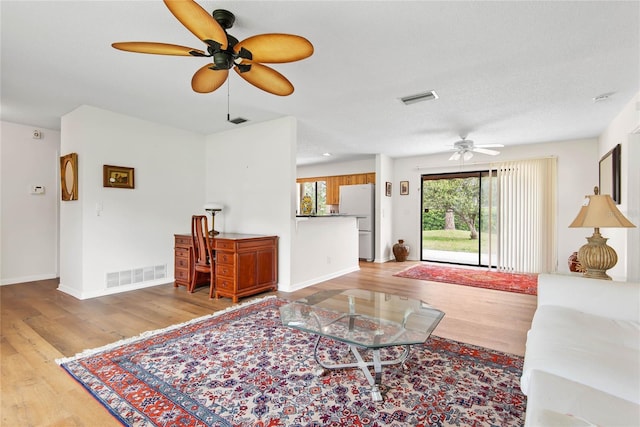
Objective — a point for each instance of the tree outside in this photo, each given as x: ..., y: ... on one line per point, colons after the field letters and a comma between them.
x: 452, y: 205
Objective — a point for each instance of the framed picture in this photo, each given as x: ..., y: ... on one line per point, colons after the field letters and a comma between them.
x: 117, y: 177
x: 387, y: 189
x: 610, y: 174
x: 69, y: 176
x: 404, y: 188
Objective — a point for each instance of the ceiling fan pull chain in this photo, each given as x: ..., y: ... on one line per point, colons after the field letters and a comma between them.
x: 228, y: 96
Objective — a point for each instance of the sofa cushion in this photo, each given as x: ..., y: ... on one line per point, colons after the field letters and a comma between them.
x: 556, y: 401
x: 600, y: 352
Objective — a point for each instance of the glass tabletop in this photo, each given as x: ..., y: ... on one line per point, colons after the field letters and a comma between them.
x: 364, y: 318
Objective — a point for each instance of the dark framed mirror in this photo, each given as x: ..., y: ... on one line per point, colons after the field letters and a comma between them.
x: 609, y: 178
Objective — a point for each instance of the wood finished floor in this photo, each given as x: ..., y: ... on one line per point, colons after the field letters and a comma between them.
x: 40, y: 324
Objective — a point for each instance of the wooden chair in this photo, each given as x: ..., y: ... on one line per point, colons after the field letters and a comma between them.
x: 203, y: 260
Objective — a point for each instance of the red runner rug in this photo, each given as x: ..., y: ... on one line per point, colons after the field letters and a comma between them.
x: 509, y: 282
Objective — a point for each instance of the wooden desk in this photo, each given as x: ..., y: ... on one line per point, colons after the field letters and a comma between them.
x: 246, y: 264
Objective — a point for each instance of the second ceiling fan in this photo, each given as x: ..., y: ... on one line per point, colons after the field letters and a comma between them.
x: 465, y: 149
x: 246, y: 57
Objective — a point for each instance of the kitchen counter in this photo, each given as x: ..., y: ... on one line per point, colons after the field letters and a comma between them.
x: 323, y: 247
x: 323, y: 216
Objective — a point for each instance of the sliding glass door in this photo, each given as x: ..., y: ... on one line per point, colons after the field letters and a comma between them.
x: 458, y: 218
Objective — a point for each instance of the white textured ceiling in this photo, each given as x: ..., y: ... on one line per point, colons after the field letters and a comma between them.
x: 513, y: 72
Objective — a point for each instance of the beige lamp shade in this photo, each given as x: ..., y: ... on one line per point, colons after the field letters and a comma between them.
x: 600, y: 211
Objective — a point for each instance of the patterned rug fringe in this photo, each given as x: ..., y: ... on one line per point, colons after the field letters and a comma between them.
x: 147, y: 334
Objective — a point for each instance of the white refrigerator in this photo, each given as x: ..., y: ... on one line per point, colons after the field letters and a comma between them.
x: 359, y: 201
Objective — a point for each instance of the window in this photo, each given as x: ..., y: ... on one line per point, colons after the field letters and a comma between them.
x: 317, y: 190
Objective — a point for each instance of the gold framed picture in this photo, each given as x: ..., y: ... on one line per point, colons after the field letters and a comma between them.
x: 387, y: 190
x: 404, y: 188
x: 117, y: 177
x: 69, y: 176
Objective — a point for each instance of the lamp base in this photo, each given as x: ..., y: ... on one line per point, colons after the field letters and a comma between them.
x: 213, y: 212
x: 596, y: 257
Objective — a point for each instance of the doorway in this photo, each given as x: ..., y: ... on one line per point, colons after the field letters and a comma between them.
x: 459, y: 224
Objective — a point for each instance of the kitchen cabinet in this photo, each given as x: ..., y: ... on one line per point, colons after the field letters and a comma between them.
x: 334, y: 182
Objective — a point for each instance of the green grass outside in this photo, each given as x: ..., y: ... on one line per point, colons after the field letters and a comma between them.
x: 451, y: 240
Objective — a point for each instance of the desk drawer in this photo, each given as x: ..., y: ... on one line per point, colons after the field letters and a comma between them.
x: 182, y: 262
x: 183, y: 241
x: 181, y: 274
x: 225, y: 245
x: 224, y: 258
x: 224, y: 283
x: 224, y: 270
x: 182, y: 253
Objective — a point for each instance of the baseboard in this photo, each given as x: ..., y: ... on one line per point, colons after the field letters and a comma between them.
x: 315, y: 280
x: 27, y: 279
x: 110, y: 291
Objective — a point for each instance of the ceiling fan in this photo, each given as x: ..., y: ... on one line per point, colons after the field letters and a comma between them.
x: 245, y: 57
x: 465, y: 149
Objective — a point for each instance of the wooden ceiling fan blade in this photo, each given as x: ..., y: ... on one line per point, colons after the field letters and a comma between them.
x: 267, y: 79
x: 206, y: 80
x: 197, y: 20
x: 157, y: 48
x: 276, y: 48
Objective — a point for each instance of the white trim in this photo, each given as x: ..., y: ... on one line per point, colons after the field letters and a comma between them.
x: 302, y: 285
x: 115, y: 290
x: 27, y: 279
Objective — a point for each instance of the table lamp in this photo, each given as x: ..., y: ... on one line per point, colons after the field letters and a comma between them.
x: 213, y: 208
x: 597, y: 211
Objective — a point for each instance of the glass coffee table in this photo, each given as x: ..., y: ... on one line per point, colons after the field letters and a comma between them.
x: 364, y: 320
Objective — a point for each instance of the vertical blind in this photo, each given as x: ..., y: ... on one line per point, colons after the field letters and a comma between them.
x: 526, y: 216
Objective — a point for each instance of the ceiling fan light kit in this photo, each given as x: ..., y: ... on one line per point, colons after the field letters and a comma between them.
x: 465, y: 149
x: 246, y: 57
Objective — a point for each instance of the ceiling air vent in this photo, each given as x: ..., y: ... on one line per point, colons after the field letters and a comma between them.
x: 237, y: 120
x: 426, y: 96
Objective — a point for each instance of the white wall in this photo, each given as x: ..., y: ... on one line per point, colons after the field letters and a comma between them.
x: 625, y: 130
x: 251, y: 171
x: 384, y: 209
x: 577, y: 175
x: 134, y: 228
x: 29, y: 223
x: 337, y: 168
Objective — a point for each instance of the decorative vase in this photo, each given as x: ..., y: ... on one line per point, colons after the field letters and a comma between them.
x: 574, y: 264
x: 400, y: 251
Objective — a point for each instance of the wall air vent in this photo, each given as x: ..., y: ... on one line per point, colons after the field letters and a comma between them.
x: 136, y: 275
x: 426, y: 96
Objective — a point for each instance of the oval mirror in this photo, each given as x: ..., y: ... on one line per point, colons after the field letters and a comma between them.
x: 68, y: 178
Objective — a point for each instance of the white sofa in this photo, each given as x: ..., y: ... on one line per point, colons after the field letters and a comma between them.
x: 582, y: 359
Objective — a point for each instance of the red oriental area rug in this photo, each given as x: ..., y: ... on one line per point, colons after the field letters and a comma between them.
x: 243, y: 368
x: 509, y: 282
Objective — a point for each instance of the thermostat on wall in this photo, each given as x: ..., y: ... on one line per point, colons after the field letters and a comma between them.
x: 36, y: 189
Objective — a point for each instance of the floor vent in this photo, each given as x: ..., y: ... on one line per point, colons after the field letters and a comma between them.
x: 137, y: 275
